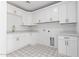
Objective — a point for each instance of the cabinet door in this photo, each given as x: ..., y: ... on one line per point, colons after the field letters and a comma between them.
x: 36, y: 17
x: 71, y: 11
x: 25, y: 39
x: 54, y: 13
x: 43, y: 38
x: 62, y: 46
x: 12, y: 43
x: 72, y: 47
x: 27, y: 18
x: 13, y: 20
x: 62, y: 12
x: 44, y: 15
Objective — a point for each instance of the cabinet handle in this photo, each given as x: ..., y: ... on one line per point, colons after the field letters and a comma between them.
x: 67, y: 20
x: 39, y: 21
x: 50, y: 19
x: 65, y: 42
x: 15, y: 11
x: 66, y: 37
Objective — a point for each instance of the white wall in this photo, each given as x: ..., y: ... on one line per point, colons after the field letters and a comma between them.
x: 3, y: 20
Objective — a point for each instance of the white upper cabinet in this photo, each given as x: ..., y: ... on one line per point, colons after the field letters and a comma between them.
x: 71, y: 10
x: 41, y: 15
x: 67, y: 12
x: 62, y: 13
x: 54, y: 10
x: 14, y: 10
x: 13, y: 21
x: 47, y: 14
x: 26, y: 16
x: 34, y: 17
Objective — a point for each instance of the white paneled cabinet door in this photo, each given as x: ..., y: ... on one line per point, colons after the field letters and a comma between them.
x: 36, y: 17
x: 72, y: 47
x: 46, y: 12
x: 13, y: 20
x: 54, y: 13
x: 67, y: 12
x: 71, y: 11
x: 62, y: 13
x: 27, y: 18
x: 62, y: 46
x: 67, y: 46
x: 12, y: 44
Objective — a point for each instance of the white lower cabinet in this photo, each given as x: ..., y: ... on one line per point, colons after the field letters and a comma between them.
x: 17, y: 41
x: 67, y: 46
x: 61, y: 46
x: 11, y: 43
x: 72, y: 47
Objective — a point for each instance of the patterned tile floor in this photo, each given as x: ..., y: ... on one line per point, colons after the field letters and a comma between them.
x: 35, y: 51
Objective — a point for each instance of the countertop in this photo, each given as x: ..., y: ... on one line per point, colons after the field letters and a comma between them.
x: 22, y: 31
x: 74, y: 34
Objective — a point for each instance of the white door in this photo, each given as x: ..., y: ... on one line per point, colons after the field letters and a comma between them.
x: 72, y: 47
x: 62, y: 46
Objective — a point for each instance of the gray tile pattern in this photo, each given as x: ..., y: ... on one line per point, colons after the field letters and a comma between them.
x: 34, y: 51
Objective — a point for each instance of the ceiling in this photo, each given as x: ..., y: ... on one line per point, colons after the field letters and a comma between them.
x: 32, y: 5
